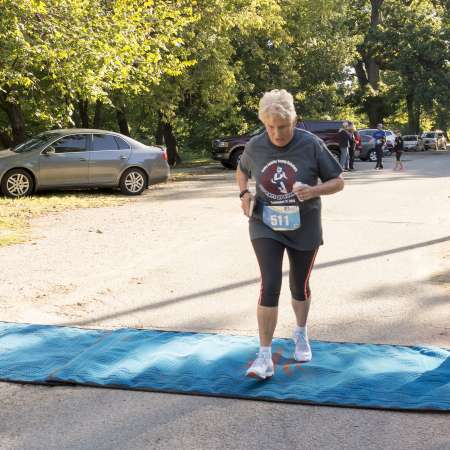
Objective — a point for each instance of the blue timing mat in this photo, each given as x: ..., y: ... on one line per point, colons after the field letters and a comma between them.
x: 29, y: 353
x: 342, y: 374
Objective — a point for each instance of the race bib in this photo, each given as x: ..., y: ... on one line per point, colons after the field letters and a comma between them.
x: 282, y: 218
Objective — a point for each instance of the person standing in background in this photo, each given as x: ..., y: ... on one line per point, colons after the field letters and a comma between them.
x: 352, y: 145
x: 344, y: 144
x: 380, y: 140
x: 398, y: 148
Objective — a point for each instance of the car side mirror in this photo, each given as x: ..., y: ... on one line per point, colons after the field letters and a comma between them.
x: 49, y: 150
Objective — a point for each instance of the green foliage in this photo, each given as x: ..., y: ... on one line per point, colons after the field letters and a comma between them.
x: 410, y: 46
x: 203, y: 65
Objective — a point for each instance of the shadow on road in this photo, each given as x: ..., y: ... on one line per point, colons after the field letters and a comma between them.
x: 240, y: 284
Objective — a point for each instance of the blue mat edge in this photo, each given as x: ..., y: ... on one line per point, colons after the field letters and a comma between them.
x: 236, y: 397
x: 431, y: 347
x: 259, y: 398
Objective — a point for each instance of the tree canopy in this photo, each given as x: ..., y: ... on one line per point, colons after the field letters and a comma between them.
x: 183, y: 72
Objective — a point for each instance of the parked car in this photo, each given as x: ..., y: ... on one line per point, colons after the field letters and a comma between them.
x: 78, y: 158
x: 434, y: 140
x: 413, y: 142
x: 366, y: 148
x: 390, y: 136
x: 229, y: 149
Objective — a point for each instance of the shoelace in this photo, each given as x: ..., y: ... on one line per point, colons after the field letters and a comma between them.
x: 301, y: 338
x: 262, y: 356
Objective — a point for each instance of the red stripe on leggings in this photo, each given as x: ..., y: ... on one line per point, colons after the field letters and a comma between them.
x: 261, y: 291
x: 309, y: 274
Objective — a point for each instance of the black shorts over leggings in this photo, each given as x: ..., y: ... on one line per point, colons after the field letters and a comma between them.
x: 269, y: 253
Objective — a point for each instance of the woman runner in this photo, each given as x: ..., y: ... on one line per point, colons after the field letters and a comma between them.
x: 287, y: 164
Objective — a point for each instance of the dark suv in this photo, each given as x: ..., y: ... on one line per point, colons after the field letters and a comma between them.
x: 228, y: 150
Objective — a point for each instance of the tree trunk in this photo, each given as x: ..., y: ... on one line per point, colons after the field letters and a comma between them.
x: 413, y: 112
x: 16, y: 120
x: 368, y: 72
x: 171, y: 144
x: 373, y: 71
x: 5, y: 140
x: 417, y: 118
x: 83, y: 106
x: 98, y: 114
x: 374, y: 110
x: 159, y: 134
x: 122, y: 121
x: 442, y: 119
x: 361, y: 74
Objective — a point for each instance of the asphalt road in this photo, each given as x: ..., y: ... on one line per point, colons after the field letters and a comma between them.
x: 382, y: 276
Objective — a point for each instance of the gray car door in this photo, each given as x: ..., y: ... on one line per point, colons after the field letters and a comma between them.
x: 65, y: 162
x: 109, y: 156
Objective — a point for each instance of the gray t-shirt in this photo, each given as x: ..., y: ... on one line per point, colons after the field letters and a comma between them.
x: 275, y: 170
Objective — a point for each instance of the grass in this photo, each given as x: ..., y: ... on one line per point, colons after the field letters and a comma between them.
x: 16, y: 214
x: 192, y: 164
x: 192, y: 160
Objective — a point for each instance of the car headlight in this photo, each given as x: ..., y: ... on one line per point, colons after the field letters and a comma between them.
x: 222, y: 144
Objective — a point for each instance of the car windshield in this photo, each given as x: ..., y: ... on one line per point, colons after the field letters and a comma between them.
x: 410, y: 138
x: 430, y: 135
x: 34, y: 143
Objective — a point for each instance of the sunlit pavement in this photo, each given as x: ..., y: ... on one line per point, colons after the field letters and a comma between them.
x: 382, y: 276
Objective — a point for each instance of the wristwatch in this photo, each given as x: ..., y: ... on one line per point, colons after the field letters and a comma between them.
x: 242, y: 193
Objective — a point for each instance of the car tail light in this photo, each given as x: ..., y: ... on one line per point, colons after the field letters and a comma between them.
x: 164, y: 151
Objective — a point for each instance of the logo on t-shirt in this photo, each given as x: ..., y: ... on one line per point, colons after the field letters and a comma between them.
x: 277, y: 179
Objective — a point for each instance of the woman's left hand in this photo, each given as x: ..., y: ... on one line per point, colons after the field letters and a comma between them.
x: 304, y: 192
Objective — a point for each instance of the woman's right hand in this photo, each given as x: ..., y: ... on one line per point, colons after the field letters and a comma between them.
x: 245, y: 203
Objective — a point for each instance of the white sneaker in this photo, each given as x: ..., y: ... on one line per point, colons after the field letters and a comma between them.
x: 262, y: 367
x: 302, y: 351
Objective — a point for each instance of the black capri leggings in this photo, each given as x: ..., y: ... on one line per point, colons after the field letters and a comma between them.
x: 269, y: 253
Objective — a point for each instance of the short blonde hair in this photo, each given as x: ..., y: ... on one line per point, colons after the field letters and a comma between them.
x: 277, y: 102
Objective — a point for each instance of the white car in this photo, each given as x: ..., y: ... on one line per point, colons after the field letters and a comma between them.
x: 434, y: 140
x: 412, y: 142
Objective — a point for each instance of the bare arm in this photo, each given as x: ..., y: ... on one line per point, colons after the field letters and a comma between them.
x: 332, y: 186
x: 242, y: 181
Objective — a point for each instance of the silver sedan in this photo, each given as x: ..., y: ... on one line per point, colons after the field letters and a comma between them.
x: 78, y: 158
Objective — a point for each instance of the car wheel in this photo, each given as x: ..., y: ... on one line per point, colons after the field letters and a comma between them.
x: 17, y: 183
x: 133, y: 181
x: 372, y: 156
x: 226, y: 164
x: 235, y: 158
